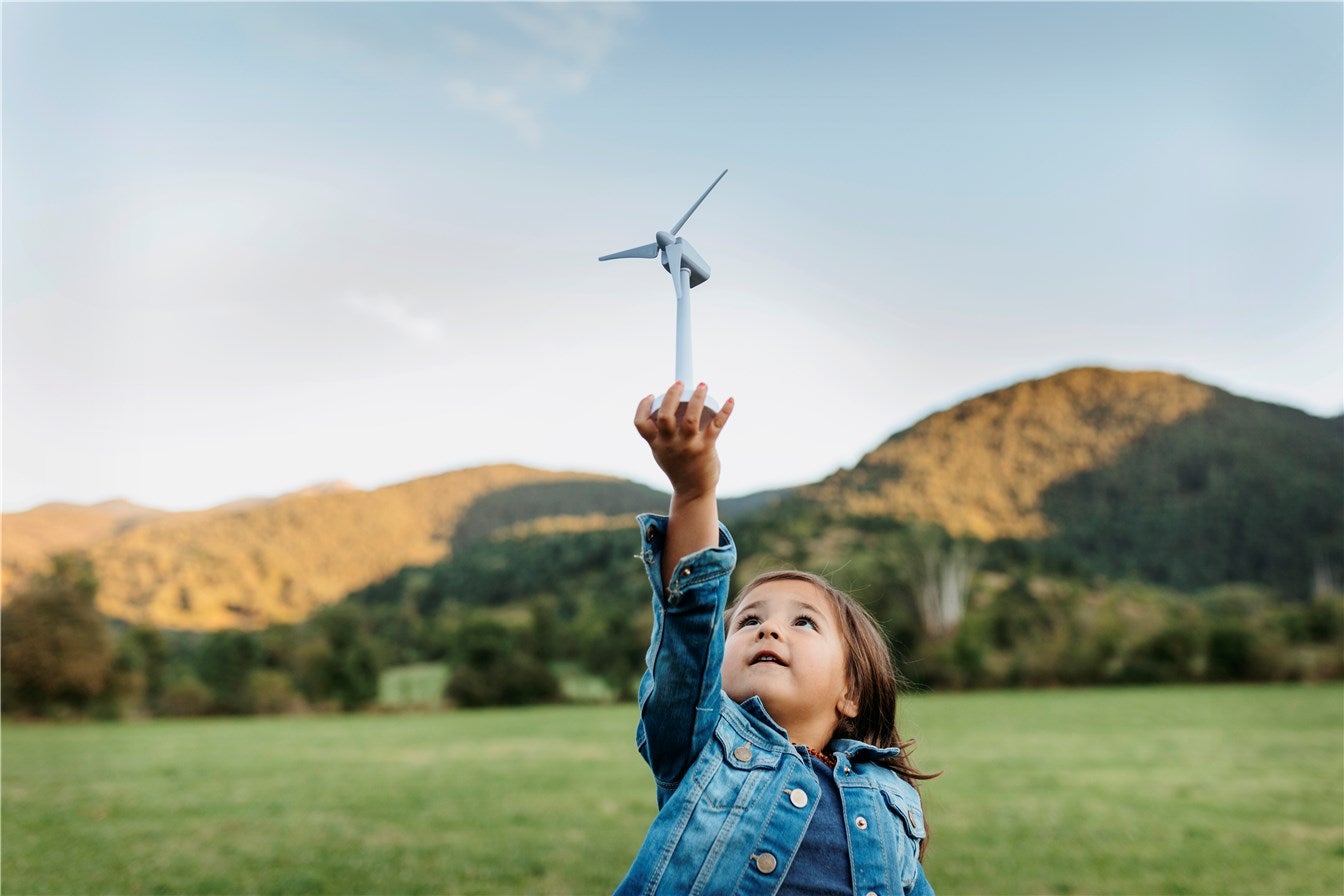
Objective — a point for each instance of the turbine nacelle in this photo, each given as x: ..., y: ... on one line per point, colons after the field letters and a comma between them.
x: 688, y: 258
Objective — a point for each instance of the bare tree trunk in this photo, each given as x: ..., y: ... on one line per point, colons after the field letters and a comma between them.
x: 1323, y: 580
x: 930, y: 599
x: 944, y: 571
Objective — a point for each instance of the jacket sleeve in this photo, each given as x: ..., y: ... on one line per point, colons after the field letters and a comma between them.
x: 680, y: 692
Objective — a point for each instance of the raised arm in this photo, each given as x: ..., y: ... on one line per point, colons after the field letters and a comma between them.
x: 683, y: 441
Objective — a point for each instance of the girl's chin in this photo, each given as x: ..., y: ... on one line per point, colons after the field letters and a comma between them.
x: 746, y: 692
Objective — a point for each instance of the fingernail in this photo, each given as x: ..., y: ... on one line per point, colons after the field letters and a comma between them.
x: 702, y: 386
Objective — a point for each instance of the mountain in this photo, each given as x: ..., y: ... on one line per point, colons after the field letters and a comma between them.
x: 982, y: 467
x: 254, y: 562
x: 30, y: 536
x: 1142, y: 474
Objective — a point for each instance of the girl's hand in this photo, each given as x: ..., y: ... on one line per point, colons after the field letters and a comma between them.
x: 682, y: 438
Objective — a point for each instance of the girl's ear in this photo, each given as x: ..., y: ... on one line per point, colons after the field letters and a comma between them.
x: 848, y: 706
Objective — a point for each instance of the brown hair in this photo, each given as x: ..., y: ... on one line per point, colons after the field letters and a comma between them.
x: 870, y: 671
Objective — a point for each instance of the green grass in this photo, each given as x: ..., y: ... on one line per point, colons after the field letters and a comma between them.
x: 416, y: 686
x: 1218, y: 790
x: 1236, y: 790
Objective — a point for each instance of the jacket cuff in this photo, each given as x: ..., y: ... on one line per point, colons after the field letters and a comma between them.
x: 707, y: 562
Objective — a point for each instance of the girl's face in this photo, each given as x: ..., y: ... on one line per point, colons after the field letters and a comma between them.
x: 784, y: 644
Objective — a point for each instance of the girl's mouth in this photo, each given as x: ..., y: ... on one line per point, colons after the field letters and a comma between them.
x: 767, y: 656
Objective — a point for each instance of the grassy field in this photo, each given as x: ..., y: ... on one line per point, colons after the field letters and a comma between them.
x: 1218, y: 790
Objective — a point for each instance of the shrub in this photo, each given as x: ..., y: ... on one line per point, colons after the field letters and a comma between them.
x: 516, y: 680
x: 225, y: 664
x: 1170, y: 655
x: 271, y: 692
x: 185, y: 695
x: 495, y: 670
x: 1232, y: 654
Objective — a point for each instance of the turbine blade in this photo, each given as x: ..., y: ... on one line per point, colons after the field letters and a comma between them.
x: 686, y: 217
x: 672, y: 261
x: 649, y: 251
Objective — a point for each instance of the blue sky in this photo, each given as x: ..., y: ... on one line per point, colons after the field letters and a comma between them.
x: 250, y: 247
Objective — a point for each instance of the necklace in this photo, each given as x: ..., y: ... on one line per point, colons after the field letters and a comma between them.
x: 829, y: 760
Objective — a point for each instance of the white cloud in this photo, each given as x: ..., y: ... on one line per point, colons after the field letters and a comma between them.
x: 497, y: 102
x: 574, y: 39
x: 395, y: 314
x: 503, y: 62
x: 549, y: 50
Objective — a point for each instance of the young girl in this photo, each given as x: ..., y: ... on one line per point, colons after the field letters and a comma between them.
x: 773, y: 746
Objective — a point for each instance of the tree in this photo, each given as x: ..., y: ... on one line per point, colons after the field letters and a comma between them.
x: 149, y: 649
x: 55, y: 647
x: 494, y: 670
x: 225, y: 664
x: 350, y: 666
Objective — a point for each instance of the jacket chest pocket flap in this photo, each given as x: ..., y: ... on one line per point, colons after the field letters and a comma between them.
x: 908, y: 810
x: 741, y: 754
x: 740, y: 773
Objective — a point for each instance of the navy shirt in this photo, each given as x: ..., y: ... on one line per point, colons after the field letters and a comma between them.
x: 821, y: 866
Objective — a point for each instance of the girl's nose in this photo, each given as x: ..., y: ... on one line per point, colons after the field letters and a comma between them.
x: 767, y: 630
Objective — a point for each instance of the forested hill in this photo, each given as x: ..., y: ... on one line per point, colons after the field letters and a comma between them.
x: 1141, y: 474
x: 248, y: 565
x: 983, y: 467
x: 33, y: 534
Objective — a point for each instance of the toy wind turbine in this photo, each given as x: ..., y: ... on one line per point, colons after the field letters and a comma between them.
x: 688, y: 270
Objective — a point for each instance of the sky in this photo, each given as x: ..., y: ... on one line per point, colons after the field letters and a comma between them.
x: 253, y: 247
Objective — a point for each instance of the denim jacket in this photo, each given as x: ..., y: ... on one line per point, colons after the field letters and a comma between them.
x: 734, y: 796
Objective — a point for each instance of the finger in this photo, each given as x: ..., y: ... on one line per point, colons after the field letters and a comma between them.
x: 721, y: 418
x: 694, y: 408
x: 667, y: 411
x: 644, y: 417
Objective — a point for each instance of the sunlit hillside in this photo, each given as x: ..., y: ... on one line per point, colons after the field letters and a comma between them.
x: 30, y: 536
x: 279, y: 561
x: 981, y: 468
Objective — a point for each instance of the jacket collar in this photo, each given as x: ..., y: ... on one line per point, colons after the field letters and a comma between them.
x: 852, y: 749
x: 755, y: 709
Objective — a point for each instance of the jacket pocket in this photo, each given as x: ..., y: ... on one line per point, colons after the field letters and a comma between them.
x: 908, y: 810
x: 908, y: 821
x: 741, y: 770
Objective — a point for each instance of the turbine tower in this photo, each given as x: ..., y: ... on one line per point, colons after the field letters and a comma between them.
x: 688, y: 270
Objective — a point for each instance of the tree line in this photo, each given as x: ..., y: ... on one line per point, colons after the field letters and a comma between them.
x: 509, y: 617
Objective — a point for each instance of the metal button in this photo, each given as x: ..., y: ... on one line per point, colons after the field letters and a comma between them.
x: 798, y: 797
x: 765, y: 863
x: 870, y: 893
x: 861, y: 823
x: 742, y: 753
x: 650, y: 533
x: 685, y: 572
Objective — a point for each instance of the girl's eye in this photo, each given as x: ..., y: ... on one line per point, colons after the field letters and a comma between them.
x: 748, y: 620
x: 805, y: 620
